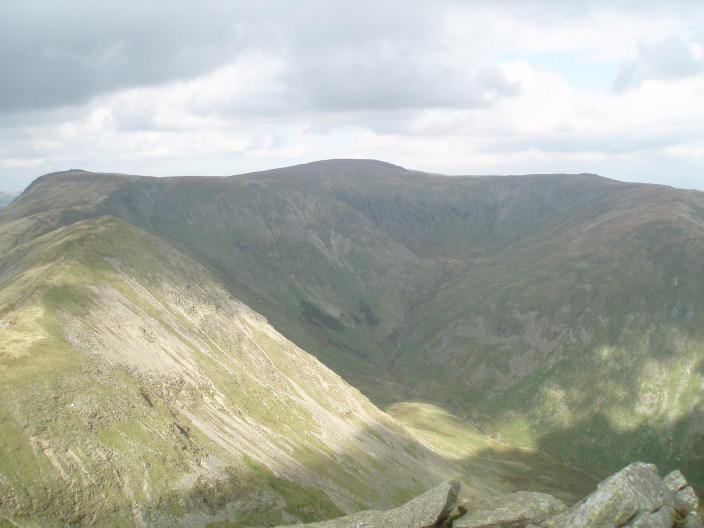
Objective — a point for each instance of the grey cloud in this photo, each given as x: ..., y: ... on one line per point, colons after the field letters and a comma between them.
x: 385, y: 73
x: 339, y: 56
x: 62, y: 53
x: 382, y: 56
x: 669, y: 58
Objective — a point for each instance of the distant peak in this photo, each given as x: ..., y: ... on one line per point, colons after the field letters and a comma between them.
x: 356, y: 163
x: 69, y: 171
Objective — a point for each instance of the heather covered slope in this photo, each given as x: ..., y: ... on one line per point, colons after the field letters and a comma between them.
x: 563, y: 311
x: 135, y: 389
x: 589, y: 343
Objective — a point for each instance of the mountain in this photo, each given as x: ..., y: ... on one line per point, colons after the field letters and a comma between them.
x: 135, y: 389
x: 556, y: 311
x: 6, y: 198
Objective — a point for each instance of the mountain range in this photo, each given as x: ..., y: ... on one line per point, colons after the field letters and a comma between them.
x: 6, y: 198
x: 157, y: 338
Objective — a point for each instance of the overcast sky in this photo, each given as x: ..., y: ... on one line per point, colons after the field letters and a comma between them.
x: 176, y: 87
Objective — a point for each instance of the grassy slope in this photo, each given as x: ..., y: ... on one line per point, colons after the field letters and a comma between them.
x: 530, y: 304
x: 133, y: 388
x: 593, y: 355
x: 492, y: 465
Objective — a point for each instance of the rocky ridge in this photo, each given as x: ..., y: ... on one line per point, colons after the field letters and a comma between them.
x: 634, y: 497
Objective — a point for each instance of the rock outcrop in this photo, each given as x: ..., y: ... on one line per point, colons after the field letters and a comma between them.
x: 518, y: 509
x: 425, y: 511
x: 635, y: 497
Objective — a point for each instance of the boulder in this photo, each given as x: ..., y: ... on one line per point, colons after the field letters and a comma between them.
x: 635, y: 490
x: 675, y: 481
x: 425, y: 511
x: 662, y: 518
x: 635, y: 497
x: 516, y: 510
x: 693, y: 520
x: 685, y: 498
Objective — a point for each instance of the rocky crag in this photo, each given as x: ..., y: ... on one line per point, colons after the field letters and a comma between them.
x: 634, y: 497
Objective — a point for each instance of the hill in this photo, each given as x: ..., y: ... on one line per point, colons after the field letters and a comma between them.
x: 134, y: 389
x: 557, y: 311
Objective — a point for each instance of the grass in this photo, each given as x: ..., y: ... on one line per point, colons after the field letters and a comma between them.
x: 90, y: 421
x: 496, y: 465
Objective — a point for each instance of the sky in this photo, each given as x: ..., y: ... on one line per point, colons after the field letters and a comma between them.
x: 156, y: 87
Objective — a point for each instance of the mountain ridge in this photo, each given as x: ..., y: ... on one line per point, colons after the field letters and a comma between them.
x: 136, y: 373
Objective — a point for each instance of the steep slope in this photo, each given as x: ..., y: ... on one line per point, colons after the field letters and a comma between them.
x: 563, y: 311
x: 589, y: 343
x: 135, y: 390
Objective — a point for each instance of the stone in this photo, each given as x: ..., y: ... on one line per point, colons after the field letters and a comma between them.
x: 675, y: 481
x: 363, y: 519
x: 512, y: 511
x: 686, y: 500
x: 662, y: 518
x: 619, y: 499
x: 425, y: 511
x: 693, y: 520
x: 635, y: 497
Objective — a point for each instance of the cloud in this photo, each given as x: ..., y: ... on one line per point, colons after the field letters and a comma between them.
x: 552, y: 127
x: 338, y: 56
x: 63, y: 53
x: 669, y: 58
x: 334, y: 57
x: 222, y: 87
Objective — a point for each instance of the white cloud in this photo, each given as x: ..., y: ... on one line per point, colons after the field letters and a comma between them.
x: 668, y: 58
x: 21, y: 163
x: 551, y: 126
x: 687, y: 151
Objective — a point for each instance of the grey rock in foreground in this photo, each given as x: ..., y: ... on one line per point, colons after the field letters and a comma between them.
x: 675, y: 481
x: 635, y: 497
x: 631, y: 495
x: 425, y: 511
x: 693, y: 520
x: 512, y: 511
x: 685, y: 499
x: 662, y: 518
